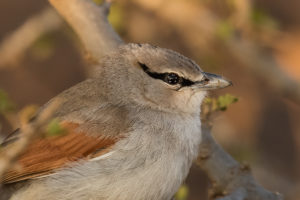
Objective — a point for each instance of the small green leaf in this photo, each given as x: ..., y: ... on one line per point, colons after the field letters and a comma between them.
x: 98, y: 2
x: 208, y: 100
x: 182, y: 193
x: 224, y: 30
x: 54, y: 128
x: 262, y: 19
x: 116, y: 17
x: 6, y: 104
x: 44, y: 47
x: 224, y: 101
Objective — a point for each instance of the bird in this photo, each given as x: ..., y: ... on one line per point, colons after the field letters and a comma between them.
x: 133, y: 131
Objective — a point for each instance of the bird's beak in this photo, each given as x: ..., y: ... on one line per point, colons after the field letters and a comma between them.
x: 212, y: 82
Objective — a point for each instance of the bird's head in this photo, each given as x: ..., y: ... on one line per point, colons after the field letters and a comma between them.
x: 158, y: 78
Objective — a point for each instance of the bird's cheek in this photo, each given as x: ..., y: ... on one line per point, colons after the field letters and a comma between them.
x: 189, y: 101
x: 159, y: 97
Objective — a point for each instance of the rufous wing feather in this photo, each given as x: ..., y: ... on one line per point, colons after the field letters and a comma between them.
x: 46, y: 155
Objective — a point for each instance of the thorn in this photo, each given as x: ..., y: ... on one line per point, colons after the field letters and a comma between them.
x: 106, y: 7
x: 204, y: 154
x: 245, y: 167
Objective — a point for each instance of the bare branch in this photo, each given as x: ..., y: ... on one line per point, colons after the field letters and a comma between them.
x: 9, y: 154
x: 14, y: 45
x: 264, y: 65
x: 201, y: 33
x: 89, y: 21
x: 230, y: 179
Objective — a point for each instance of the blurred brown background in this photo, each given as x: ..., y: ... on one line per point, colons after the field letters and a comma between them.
x: 261, y: 129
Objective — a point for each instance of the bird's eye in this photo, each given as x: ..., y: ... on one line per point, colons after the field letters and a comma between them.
x: 172, y: 78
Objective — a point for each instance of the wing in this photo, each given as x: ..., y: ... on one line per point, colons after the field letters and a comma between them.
x: 46, y: 155
x: 94, y: 126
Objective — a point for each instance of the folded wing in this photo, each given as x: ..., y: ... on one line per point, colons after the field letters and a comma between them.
x: 46, y: 155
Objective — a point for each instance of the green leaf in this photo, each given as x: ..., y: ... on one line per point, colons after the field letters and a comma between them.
x: 54, y: 128
x: 116, y: 17
x: 225, y: 30
x: 226, y: 100
x: 262, y: 19
x: 6, y: 104
x: 182, y: 193
x: 98, y: 2
x: 43, y: 47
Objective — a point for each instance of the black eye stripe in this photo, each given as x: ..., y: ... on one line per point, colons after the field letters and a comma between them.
x: 152, y: 74
x: 187, y: 82
x: 162, y: 76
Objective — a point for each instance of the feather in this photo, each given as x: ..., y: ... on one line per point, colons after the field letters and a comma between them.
x: 46, y: 155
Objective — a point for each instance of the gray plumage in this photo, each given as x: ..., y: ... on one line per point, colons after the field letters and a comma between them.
x: 159, y: 123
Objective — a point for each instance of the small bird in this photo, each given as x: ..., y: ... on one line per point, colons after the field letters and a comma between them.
x: 133, y: 131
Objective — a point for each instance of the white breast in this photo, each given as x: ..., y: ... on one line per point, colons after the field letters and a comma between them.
x: 150, y: 164
x: 161, y: 154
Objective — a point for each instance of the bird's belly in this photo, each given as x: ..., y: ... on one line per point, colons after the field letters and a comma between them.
x: 152, y: 181
x: 144, y: 167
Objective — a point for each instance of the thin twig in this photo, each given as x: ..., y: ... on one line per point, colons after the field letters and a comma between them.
x: 98, y: 37
x: 264, y: 65
x: 28, y: 131
x: 15, y: 44
x: 198, y: 26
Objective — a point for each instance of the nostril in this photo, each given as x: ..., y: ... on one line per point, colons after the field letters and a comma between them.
x: 205, y: 80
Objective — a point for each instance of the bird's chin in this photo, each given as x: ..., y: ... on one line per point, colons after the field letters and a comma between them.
x: 191, y: 102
